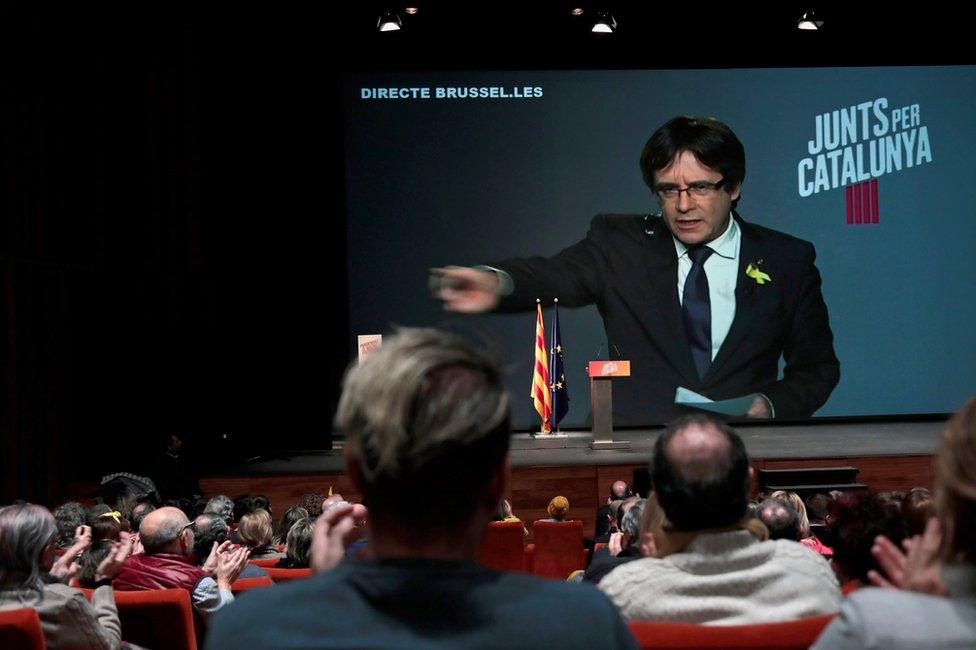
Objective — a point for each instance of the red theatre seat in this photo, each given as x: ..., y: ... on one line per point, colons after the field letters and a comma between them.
x: 789, y: 635
x: 265, y: 561
x: 503, y: 546
x: 243, y: 584
x: 284, y: 575
x: 558, y: 548
x: 157, y: 618
x: 21, y: 628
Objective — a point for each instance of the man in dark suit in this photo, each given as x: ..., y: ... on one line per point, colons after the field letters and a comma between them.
x: 694, y: 296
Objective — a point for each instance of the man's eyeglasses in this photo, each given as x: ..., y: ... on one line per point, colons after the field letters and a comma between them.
x: 700, y: 189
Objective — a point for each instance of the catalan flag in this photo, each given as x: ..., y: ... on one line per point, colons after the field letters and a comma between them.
x: 557, y: 376
x: 540, y: 392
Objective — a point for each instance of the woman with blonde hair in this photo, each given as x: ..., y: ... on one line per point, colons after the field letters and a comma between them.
x: 256, y: 533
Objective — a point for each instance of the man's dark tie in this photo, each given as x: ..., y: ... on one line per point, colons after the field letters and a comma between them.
x: 697, y: 310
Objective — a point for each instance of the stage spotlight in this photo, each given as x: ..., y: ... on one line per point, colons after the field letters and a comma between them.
x: 809, y: 21
x: 604, y: 23
x: 389, y: 22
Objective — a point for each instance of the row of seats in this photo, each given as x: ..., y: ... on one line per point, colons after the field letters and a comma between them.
x: 556, y: 552
x: 165, y: 619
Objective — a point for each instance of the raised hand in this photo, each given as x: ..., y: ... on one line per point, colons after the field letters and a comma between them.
x: 337, y: 527
x: 918, y: 568
x: 465, y: 290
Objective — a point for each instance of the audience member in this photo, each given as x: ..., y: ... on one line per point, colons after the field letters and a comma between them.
x: 221, y: 505
x: 708, y: 568
x: 619, y: 490
x: 257, y: 534
x: 312, y: 501
x: 917, y: 508
x: 856, y: 520
x: 139, y: 512
x: 168, y: 562
x: 209, y: 529
x: 298, y: 545
x: 426, y: 414
x: 780, y: 519
x: 930, y: 595
x: 110, y: 526
x: 558, y: 509
x: 623, y: 546
x: 505, y: 514
x: 288, y: 519
x: 28, y: 539
x: 68, y: 517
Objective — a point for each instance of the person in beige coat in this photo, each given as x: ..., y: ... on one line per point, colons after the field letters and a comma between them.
x: 29, y: 577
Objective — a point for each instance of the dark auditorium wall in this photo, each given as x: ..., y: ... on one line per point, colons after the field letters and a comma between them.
x: 167, y: 243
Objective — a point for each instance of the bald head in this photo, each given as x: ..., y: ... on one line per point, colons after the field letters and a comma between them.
x: 619, y: 490
x: 700, y: 472
x: 699, y: 451
x: 161, y: 529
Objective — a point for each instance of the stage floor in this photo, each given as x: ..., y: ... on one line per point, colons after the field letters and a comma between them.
x: 763, y: 441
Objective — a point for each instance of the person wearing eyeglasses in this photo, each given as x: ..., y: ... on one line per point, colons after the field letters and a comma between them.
x: 693, y: 295
x: 169, y: 562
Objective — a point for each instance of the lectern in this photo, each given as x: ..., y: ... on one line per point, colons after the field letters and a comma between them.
x: 602, y: 374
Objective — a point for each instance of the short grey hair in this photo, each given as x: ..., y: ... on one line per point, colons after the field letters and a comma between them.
x: 631, y: 521
x: 427, y: 413
x: 25, y: 529
x: 223, y: 506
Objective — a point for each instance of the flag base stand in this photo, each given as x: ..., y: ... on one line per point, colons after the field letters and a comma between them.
x: 542, y: 435
x: 610, y: 444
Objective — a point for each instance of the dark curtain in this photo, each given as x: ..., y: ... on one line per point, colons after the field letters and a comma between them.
x: 168, y: 239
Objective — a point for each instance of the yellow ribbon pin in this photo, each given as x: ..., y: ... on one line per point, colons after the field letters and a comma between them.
x: 757, y: 275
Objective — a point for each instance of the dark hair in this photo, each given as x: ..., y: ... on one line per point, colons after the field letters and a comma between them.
x: 854, y: 523
x: 713, y: 144
x: 817, y: 506
x: 259, y: 501
x: 711, y: 501
x: 780, y: 518
x: 89, y: 560
x: 95, y: 511
x: 67, y: 518
x: 243, y: 504
x: 208, y: 528
x: 185, y: 505
x: 917, y: 507
x: 139, y: 512
x: 108, y: 527
x: 288, y: 519
x: 312, y: 501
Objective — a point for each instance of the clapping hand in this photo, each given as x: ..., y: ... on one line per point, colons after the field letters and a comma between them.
x: 339, y: 526
x: 918, y: 568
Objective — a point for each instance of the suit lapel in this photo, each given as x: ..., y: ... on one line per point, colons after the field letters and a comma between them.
x: 746, y: 301
x: 660, y: 311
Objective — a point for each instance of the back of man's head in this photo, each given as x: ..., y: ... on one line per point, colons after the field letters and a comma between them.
x: 207, y: 529
x: 425, y: 414
x: 619, y: 490
x: 161, y: 528
x: 700, y: 473
x: 817, y: 506
x: 223, y: 506
x: 780, y: 518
